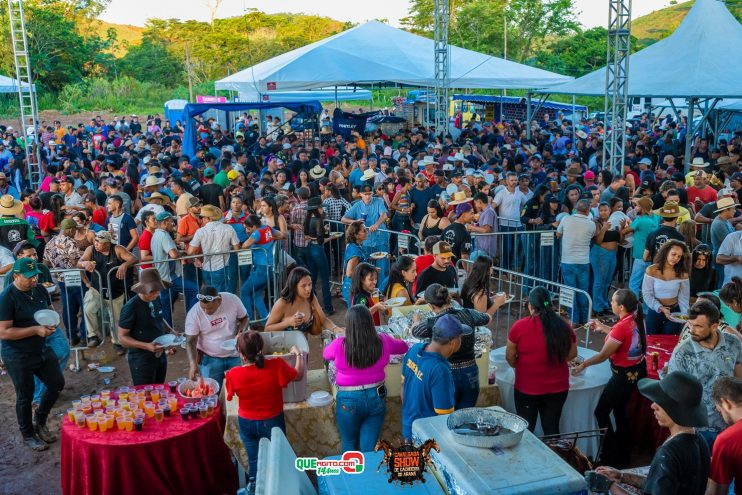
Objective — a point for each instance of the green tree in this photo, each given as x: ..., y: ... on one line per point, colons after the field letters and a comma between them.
x: 533, y: 21
x: 151, y: 61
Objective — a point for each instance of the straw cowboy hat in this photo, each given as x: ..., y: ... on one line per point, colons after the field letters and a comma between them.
x: 459, y: 198
x: 581, y: 134
x: 211, y: 212
x: 458, y: 157
x: 162, y: 197
x: 699, y: 162
x: 368, y: 174
x: 153, y: 181
x: 149, y: 281
x: 724, y: 204
x: 10, y: 206
x: 427, y: 160
x: 670, y: 210
x: 317, y: 172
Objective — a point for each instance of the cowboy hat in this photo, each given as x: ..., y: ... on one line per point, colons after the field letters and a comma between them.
x: 10, y: 206
x: 313, y: 203
x: 162, y: 197
x: 581, y: 134
x: 317, y: 172
x: 211, y: 212
x: 670, y: 210
x: 725, y: 203
x: 151, y: 180
x: 150, y: 281
x: 459, y: 197
x: 447, y: 167
x: 699, y: 162
x: 368, y: 174
x: 724, y: 160
x: 680, y: 395
x: 458, y: 157
x: 427, y: 160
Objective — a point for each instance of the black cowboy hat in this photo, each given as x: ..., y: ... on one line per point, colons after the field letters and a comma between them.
x: 680, y: 395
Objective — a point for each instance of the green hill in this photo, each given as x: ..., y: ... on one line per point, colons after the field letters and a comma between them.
x: 126, y: 34
x: 661, y: 23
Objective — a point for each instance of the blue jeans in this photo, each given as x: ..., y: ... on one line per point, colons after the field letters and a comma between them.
x: 252, y: 292
x: 466, y: 386
x: 217, y: 279
x: 72, y: 306
x: 300, y: 255
x: 577, y: 276
x: 236, y: 274
x: 168, y: 297
x: 383, y: 264
x: 603, y: 262
x: 318, y: 267
x: 637, y: 276
x: 216, y: 367
x: 360, y: 416
x: 59, y: 345
x: 510, y: 257
x: 657, y: 324
x: 251, y: 431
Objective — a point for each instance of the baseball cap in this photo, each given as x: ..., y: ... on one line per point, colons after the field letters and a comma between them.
x: 209, y: 172
x: 162, y: 216
x: 193, y: 201
x: 365, y: 188
x: 68, y: 223
x: 679, y: 177
x: 589, y: 175
x: 462, y: 208
x: 737, y: 176
x: 442, y: 248
x: 448, y: 327
x: 103, y: 236
x: 26, y: 267
x: 232, y: 175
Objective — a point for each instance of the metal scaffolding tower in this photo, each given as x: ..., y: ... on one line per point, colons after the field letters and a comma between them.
x: 442, y: 65
x: 617, y: 83
x: 26, y: 90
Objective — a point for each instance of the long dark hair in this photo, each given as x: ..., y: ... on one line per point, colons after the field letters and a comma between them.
x: 288, y: 293
x: 250, y: 345
x: 308, y: 221
x: 271, y: 201
x: 627, y: 299
x: 436, y: 206
x: 403, y: 264
x: 362, y: 344
x: 356, y: 282
x: 731, y: 292
x: 683, y: 266
x: 56, y: 203
x: 556, y: 331
x: 478, y: 279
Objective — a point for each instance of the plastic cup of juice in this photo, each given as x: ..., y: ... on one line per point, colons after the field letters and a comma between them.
x: 110, y: 418
x: 121, y: 423
x: 185, y: 413
x: 105, y: 394
x: 76, y: 404
x: 85, y: 398
x: 166, y: 410
x: 159, y: 415
x: 95, y: 397
x: 173, y: 403
x: 80, y: 418
x: 203, y: 411
x: 138, y: 422
x: 194, y: 411
x: 92, y: 422
x: 173, y: 385
x: 102, y: 424
x: 129, y: 421
x: 71, y: 415
x: 155, y: 394
x: 149, y: 408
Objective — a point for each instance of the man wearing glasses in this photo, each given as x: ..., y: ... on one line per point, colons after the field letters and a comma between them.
x: 217, y: 318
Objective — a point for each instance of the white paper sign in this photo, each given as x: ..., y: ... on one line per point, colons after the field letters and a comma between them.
x: 547, y: 239
x: 404, y: 242
x: 567, y: 298
x: 244, y: 258
x: 72, y: 278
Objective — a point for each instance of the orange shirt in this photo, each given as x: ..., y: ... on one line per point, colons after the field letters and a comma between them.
x: 187, y: 226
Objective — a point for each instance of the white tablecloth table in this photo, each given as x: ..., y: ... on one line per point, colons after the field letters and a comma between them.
x: 577, y: 414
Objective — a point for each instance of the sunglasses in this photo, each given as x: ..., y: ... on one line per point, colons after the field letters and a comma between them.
x: 208, y: 299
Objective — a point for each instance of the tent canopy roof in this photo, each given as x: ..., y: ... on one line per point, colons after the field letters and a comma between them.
x: 10, y: 85
x: 697, y: 60
x: 375, y: 52
x: 550, y: 105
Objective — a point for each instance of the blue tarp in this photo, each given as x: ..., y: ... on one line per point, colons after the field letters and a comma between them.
x: 193, y: 109
x: 514, y: 100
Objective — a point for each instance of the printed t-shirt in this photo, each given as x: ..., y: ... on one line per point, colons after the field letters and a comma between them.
x: 626, y: 333
x: 214, y: 329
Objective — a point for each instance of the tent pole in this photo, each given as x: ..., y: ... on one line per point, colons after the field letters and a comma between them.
x: 336, y: 96
x: 528, y: 115
x: 716, y: 128
x: 689, y: 132
x: 574, y: 130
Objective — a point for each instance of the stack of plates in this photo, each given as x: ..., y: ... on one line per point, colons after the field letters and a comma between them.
x: 319, y: 398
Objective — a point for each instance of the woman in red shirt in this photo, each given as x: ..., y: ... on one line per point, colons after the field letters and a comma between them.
x: 625, y: 345
x: 259, y: 385
x: 539, y: 347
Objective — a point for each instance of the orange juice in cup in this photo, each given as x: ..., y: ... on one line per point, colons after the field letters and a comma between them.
x: 102, y: 425
x: 109, y: 421
x: 155, y: 396
x: 149, y: 409
x: 92, y: 422
x: 173, y: 403
x: 121, y: 423
x: 129, y: 422
x: 159, y: 415
x: 71, y: 415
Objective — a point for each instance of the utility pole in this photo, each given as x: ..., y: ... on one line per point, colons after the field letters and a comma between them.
x: 442, y: 55
x: 189, y: 71
x: 617, y: 83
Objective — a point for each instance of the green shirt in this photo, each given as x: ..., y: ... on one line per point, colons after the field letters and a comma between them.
x: 222, y: 179
x: 642, y: 226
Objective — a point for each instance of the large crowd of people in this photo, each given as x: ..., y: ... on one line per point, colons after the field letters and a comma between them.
x: 148, y: 226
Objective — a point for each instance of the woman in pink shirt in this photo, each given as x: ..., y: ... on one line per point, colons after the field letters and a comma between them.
x: 360, y: 358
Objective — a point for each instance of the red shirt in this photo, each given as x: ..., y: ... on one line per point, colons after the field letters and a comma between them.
x: 726, y: 458
x: 535, y: 373
x: 707, y: 194
x: 145, y: 243
x: 260, y: 390
x: 421, y: 263
x: 626, y: 333
x: 99, y: 216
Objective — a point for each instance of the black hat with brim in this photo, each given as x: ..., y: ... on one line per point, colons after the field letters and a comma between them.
x: 680, y: 395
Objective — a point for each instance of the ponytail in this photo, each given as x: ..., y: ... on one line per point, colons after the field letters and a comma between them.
x: 556, y: 331
x: 627, y: 299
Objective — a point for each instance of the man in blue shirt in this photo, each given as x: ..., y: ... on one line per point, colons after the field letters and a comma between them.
x: 427, y: 381
x: 373, y: 212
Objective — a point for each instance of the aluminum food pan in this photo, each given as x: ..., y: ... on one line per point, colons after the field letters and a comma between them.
x: 487, y: 416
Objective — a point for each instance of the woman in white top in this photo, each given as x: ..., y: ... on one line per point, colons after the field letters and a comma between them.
x: 666, y: 288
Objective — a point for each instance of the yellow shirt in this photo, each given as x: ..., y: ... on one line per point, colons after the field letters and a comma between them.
x: 396, y: 292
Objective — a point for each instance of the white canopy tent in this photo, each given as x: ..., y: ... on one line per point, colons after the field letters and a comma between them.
x: 375, y: 52
x: 10, y: 85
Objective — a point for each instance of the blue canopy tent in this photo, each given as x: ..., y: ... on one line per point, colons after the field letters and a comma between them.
x: 193, y: 109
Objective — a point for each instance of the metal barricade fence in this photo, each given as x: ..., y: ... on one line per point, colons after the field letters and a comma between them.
x: 536, y: 253
x: 518, y: 286
x: 73, y: 286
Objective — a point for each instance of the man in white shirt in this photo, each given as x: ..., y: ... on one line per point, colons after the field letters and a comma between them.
x: 215, y: 237
x: 72, y: 200
x: 730, y: 255
x: 508, y: 202
x: 218, y: 317
x: 576, y: 231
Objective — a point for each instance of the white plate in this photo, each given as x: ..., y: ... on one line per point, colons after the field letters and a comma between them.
x: 676, y: 317
x: 169, y: 340
x: 106, y: 369
x: 379, y: 255
x: 50, y: 289
x: 335, y: 235
x: 395, y: 302
x: 228, y: 345
x: 47, y: 318
x: 319, y: 398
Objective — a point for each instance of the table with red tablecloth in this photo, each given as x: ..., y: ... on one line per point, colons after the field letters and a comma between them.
x: 644, y: 425
x: 174, y: 456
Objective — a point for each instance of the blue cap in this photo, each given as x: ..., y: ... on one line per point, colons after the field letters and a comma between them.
x: 162, y: 216
x: 448, y: 327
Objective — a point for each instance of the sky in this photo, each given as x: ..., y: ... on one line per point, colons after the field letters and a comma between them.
x: 591, y: 13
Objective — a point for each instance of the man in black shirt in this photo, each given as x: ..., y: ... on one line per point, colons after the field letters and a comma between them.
x: 669, y: 214
x: 211, y: 193
x: 441, y: 271
x: 456, y: 234
x: 26, y: 354
x: 141, y: 322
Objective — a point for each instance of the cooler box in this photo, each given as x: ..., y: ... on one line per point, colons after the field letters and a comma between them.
x: 282, y: 342
x: 282, y: 476
x: 529, y: 468
x: 372, y: 481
